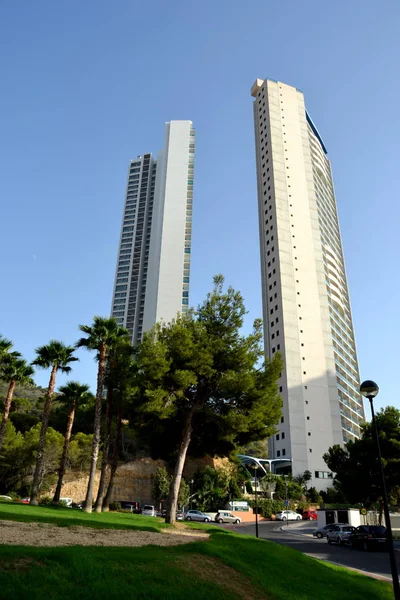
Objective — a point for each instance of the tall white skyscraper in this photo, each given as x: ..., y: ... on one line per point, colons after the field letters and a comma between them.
x: 153, y: 267
x: 306, y: 306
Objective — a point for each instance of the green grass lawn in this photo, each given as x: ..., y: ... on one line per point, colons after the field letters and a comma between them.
x: 227, y: 567
x: 67, y: 517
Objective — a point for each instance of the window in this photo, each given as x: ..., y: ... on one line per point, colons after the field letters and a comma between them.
x: 308, y: 418
x: 283, y: 435
x: 280, y: 389
x: 277, y: 436
x: 283, y: 452
x: 309, y: 433
x: 323, y: 475
x: 278, y: 453
x: 310, y: 450
x: 282, y: 419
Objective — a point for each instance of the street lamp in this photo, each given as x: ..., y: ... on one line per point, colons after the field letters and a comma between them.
x: 369, y: 389
x: 286, y: 500
x: 256, y: 499
x: 191, y: 493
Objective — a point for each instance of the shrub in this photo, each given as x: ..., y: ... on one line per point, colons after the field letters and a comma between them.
x: 115, y: 506
x: 46, y: 500
x: 123, y: 510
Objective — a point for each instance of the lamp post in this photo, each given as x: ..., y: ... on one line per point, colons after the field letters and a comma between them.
x: 369, y: 389
x: 256, y: 499
x: 191, y: 493
x: 286, y: 502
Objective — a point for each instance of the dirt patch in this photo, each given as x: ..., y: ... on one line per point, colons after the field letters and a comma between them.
x: 18, y: 564
x: 212, y: 569
x: 45, y: 534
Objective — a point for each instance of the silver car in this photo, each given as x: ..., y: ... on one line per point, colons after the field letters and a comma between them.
x: 339, y: 534
x: 322, y: 532
x: 197, y: 515
x: 149, y: 510
x: 226, y: 516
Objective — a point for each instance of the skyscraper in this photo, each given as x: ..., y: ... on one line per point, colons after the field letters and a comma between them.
x: 306, y: 308
x: 153, y: 267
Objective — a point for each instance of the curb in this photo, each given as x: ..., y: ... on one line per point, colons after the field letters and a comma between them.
x: 293, y: 531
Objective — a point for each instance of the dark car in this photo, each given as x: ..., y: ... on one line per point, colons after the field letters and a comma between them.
x: 128, y: 505
x: 368, y: 537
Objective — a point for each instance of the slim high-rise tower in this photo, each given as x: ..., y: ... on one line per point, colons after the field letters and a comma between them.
x: 153, y: 267
x: 306, y: 306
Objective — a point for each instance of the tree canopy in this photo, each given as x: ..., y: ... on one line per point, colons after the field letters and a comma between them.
x: 356, y: 465
x: 201, y: 380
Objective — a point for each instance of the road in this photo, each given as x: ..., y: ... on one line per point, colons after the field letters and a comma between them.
x: 299, y: 536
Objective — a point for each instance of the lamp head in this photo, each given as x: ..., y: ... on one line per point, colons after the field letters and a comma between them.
x: 369, y: 389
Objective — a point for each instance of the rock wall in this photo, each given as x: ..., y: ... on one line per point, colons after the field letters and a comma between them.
x: 75, y: 486
x: 134, y: 480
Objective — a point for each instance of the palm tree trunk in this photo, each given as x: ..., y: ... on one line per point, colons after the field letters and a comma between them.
x: 106, y: 448
x: 64, y: 456
x: 42, y: 438
x: 114, y: 461
x: 6, y: 410
x: 180, y: 463
x: 96, y: 430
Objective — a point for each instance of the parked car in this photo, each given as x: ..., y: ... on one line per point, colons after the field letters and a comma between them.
x: 322, y: 532
x: 197, y: 515
x: 226, y: 516
x: 368, y: 537
x: 5, y: 499
x: 310, y: 515
x: 287, y: 515
x: 26, y: 500
x: 130, y: 505
x: 149, y: 510
x: 340, y: 534
x: 179, y: 515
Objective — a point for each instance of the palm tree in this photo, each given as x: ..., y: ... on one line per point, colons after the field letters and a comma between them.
x: 74, y: 394
x: 57, y: 357
x: 5, y: 346
x: 102, y: 335
x: 14, y: 370
x: 117, y: 376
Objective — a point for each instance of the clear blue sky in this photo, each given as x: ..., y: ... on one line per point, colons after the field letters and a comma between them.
x: 88, y: 85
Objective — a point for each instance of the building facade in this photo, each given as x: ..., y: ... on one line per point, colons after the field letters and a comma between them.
x: 153, y: 266
x: 306, y: 308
